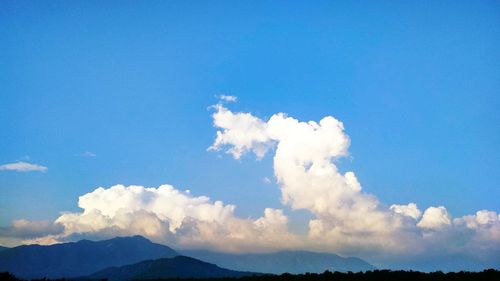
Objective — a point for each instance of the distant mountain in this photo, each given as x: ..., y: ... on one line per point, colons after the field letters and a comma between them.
x: 280, y: 262
x: 178, y: 267
x: 79, y: 258
x: 3, y: 248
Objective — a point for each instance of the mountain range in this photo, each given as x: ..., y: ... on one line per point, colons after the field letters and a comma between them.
x: 294, y: 262
x: 135, y: 257
x: 80, y: 258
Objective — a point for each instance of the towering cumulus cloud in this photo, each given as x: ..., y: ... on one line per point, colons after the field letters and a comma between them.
x: 346, y: 220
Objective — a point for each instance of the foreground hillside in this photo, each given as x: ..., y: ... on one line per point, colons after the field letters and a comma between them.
x: 386, y: 275
x: 178, y: 267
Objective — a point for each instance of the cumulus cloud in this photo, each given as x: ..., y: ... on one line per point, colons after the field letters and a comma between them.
x: 168, y: 215
x: 411, y: 210
x: 435, y: 218
x: 308, y: 179
x: 21, y: 166
x: 243, y: 131
x: 346, y: 219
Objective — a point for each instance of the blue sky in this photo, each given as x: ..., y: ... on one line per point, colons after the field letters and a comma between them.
x: 415, y: 84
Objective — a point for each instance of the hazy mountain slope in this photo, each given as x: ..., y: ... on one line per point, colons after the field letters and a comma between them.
x: 79, y: 258
x: 280, y: 262
x: 178, y: 267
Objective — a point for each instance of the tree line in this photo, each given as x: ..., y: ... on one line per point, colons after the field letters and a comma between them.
x: 385, y: 275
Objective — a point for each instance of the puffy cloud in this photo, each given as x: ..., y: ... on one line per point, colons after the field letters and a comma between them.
x: 21, y: 166
x: 243, y: 130
x: 167, y: 215
x: 347, y: 220
x: 483, y: 217
x: 165, y: 202
x: 486, y: 226
x: 411, y: 210
x: 308, y: 179
x: 435, y: 218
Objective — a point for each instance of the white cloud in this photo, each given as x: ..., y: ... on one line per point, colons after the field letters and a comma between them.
x: 346, y: 220
x: 168, y: 215
x: 485, y: 223
x: 307, y: 177
x: 88, y: 154
x: 243, y: 130
x: 21, y: 166
x: 228, y: 98
x: 411, y: 210
x: 165, y: 202
x: 435, y: 218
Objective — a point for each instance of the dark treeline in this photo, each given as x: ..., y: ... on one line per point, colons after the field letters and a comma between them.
x: 386, y: 275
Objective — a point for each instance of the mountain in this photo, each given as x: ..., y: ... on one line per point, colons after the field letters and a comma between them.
x: 177, y: 267
x: 3, y: 248
x: 280, y: 262
x: 79, y: 258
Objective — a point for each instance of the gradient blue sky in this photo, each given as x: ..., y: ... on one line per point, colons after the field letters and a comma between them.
x: 416, y: 85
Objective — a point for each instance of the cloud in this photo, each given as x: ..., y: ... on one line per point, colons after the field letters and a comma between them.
x: 435, y: 218
x: 411, y: 210
x: 88, y: 154
x: 21, y: 166
x: 227, y: 98
x: 243, y: 131
x: 168, y: 215
x: 307, y: 177
x: 345, y: 219
x: 25, y: 229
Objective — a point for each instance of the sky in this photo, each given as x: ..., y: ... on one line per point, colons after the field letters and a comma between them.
x: 133, y: 94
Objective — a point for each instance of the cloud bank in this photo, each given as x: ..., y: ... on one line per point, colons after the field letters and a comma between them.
x: 346, y: 220
x: 21, y: 166
x: 164, y: 214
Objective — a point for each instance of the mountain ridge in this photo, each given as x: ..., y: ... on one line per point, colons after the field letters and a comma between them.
x: 176, y: 267
x: 73, y: 259
x: 288, y: 261
x: 86, y: 257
